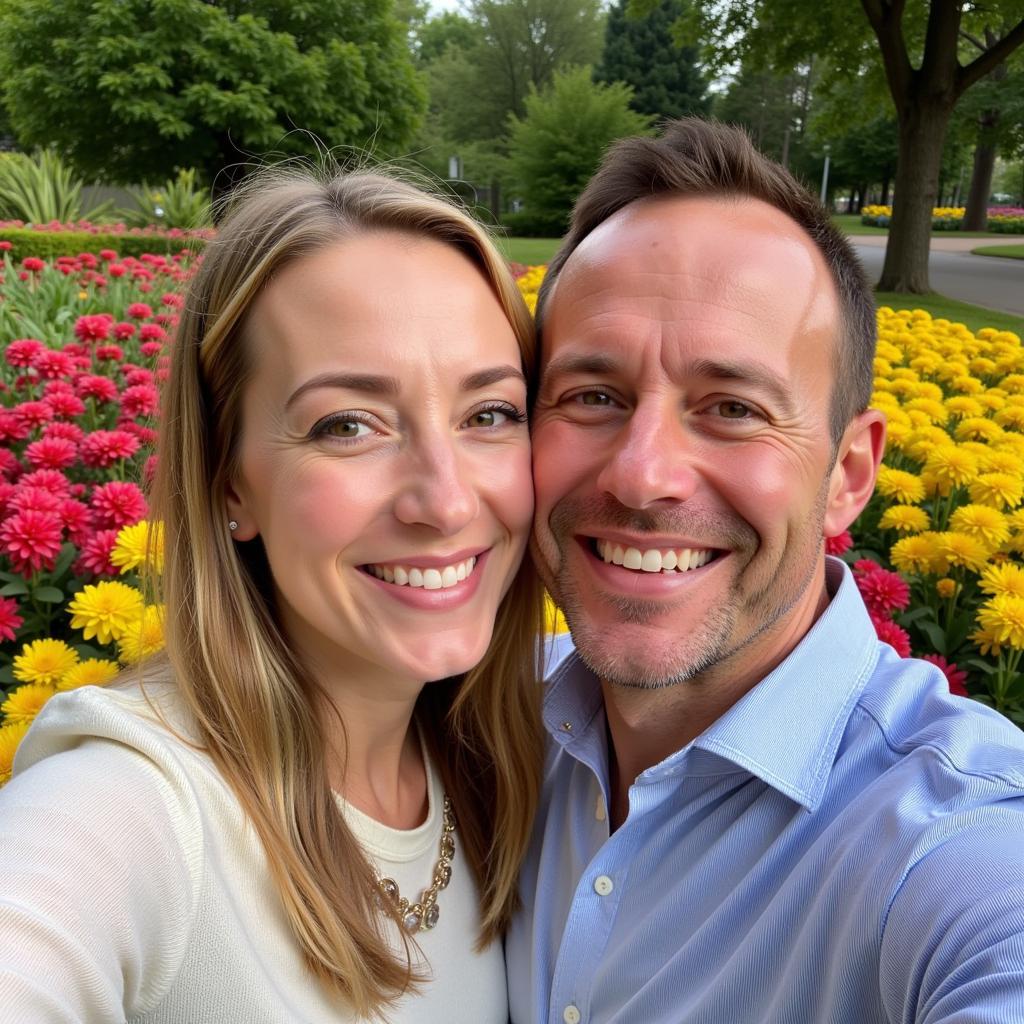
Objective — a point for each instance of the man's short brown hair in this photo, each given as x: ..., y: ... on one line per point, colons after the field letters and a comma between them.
x: 704, y: 158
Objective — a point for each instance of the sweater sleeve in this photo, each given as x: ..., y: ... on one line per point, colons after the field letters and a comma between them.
x: 98, y: 885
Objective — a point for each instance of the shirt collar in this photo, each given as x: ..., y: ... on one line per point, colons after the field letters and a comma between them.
x: 807, y: 700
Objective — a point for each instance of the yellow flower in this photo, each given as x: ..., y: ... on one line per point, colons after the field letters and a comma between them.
x: 963, y: 405
x: 951, y: 466
x: 554, y: 620
x: 103, y: 610
x: 1003, y: 578
x: 83, y: 295
x: 25, y: 702
x: 978, y: 428
x: 967, y: 385
x: 935, y: 411
x: 946, y: 587
x: 10, y: 736
x: 1003, y: 619
x: 987, y: 641
x: 1011, y: 417
x: 996, y: 461
x: 143, y: 636
x: 989, y: 525
x: 904, y: 487
x: 141, y: 544
x: 915, y: 554
x: 904, y: 519
x: 94, y: 672
x: 921, y: 442
x: 961, y: 549
x: 43, y: 661
x: 1000, y: 490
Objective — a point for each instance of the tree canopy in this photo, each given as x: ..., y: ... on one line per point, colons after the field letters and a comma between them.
x: 131, y: 89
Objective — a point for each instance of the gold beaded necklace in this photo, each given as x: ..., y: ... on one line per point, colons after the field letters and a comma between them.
x: 423, y: 916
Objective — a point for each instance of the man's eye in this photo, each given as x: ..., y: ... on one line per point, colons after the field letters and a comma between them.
x: 594, y: 398
x: 733, y: 410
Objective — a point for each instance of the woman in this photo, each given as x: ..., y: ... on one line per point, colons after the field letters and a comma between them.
x: 315, y: 809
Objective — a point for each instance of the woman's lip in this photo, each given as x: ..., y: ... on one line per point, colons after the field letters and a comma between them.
x: 434, y: 600
x: 433, y: 561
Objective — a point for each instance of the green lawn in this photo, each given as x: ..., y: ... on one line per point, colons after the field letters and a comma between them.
x: 1010, y: 252
x: 975, y: 317
x: 528, y: 250
x: 850, y: 223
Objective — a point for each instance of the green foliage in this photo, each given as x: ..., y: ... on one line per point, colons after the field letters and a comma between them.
x: 128, y: 88
x: 41, y: 188
x: 48, y: 245
x: 178, y: 203
x: 557, y: 146
x: 642, y: 52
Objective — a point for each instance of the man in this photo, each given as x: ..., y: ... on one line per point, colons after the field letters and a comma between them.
x: 753, y: 810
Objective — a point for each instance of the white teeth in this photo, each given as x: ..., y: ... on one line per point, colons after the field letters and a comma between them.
x: 653, y: 560
x: 428, y: 579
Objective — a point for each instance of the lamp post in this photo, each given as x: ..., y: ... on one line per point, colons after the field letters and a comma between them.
x: 824, y: 175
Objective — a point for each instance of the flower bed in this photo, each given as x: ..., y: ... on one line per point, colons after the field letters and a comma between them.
x: 1002, y: 219
x: 48, y: 241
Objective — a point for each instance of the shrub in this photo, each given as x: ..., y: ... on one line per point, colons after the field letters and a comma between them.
x: 51, y: 244
x: 179, y: 202
x: 41, y: 188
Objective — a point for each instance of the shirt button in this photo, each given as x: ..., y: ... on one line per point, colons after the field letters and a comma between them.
x: 603, y: 885
x: 599, y: 811
x: 571, y: 1015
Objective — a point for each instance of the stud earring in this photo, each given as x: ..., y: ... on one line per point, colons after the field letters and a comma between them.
x: 232, y: 526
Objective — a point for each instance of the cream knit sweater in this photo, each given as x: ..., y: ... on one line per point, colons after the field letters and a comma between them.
x: 132, y: 888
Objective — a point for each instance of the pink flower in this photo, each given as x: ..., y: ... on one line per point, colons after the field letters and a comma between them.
x: 840, y: 544
x: 152, y: 332
x: 173, y: 299
x: 139, y: 311
x: 66, y: 406
x: 10, y: 620
x: 110, y: 353
x: 77, y: 519
x: 118, y: 504
x: 135, y: 375
x: 103, y: 389
x: 33, y: 499
x: 884, y: 592
x: 33, y: 263
x: 117, y: 270
x: 52, y: 365
x: 49, y: 480
x: 149, y: 469
x: 6, y: 246
x: 888, y: 632
x: 102, y: 448
x: 34, y: 414
x: 124, y: 330
x: 52, y: 453
x: 7, y: 493
x: 12, y: 426
x: 151, y: 348
x: 31, y: 540
x: 94, y: 555
x: 146, y: 435
x: 93, y: 328
x: 140, y: 400
x: 107, y: 255
x: 9, y: 464
x: 23, y: 351
x: 956, y: 677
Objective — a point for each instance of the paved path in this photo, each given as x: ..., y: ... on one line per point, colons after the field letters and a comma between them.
x: 981, y: 280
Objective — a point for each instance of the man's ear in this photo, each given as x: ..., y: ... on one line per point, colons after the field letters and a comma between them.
x: 852, y: 480
x: 238, y: 512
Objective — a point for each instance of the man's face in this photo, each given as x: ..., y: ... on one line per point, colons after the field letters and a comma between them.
x: 682, y: 455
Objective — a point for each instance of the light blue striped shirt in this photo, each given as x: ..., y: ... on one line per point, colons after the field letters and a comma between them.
x: 844, y: 846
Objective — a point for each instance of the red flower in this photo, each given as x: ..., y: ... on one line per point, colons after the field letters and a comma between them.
x: 31, y: 540
x: 135, y: 375
x: 33, y: 499
x: 103, y: 389
x: 33, y: 263
x: 151, y: 348
x: 124, y: 330
x: 102, y: 448
x: 10, y: 620
x: 146, y: 435
x: 23, y: 351
x: 68, y: 431
x: 172, y: 299
x: 7, y: 492
x: 9, y: 464
x: 77, y: 519
x: 93, y: 328
x: 34, y: 414
x: 107, y: 255
x: 66, y: 406
x: 117, y: 270
x: 49, y: 480
x: 888, y: 632
x: 94, y: 555
x: 6, y: 246
x: 139, y: 311
x: 110, y: 353
x: 118, y: 504
x: 956, y: 677
x: 52, y: 365
x: 149, y: 469
x: 839, y: 545
x: 140, y: 400
x: 52, y: 453
x: 152, y: 332
x: 12, y: 426
x: 884, y: 592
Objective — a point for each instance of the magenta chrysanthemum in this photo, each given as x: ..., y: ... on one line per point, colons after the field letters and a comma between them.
x: 102, y: 448
x: 31, y: 540
x: 118, y: 504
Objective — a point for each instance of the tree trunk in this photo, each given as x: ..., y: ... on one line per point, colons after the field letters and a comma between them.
x: 922, y: 132
x: 884, y: 201
x: 976, y: 214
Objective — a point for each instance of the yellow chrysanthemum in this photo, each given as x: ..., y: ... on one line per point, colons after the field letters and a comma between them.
x: 967, y: 385
x: 987, y: 641
x: 962, y: 406
x: 94, y: 672
x: 951, y: 466
x: 140, y: 544
x: 978, y: 428
x: 946, y: 587
x: 25, y: 702
x: 10, y: 737
x: 915, y: 554
x: 1013, y: 383
x: 960, y: 550
x: 905, y: 519
x: 43, y: 661
x: 898, y: 484
x: 897, y: 434
x: 1000, y: 490
x: 1010, y: 417
x: 888, y: 351
x: 921, y: 442
x: 1012, y: 443
x: 989, y: 525
x: 1003, y: 578
x: 997, y: 461
x: 554, y: 620
x: 103, y: 610
x: 935, y: 411
x: 928, y: 390
x: 144, y: 635
x: 982, y: 367
x: 1003, y: 619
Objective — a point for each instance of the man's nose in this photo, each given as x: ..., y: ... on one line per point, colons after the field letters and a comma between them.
x: 652, y: 459
x: 439, y: 490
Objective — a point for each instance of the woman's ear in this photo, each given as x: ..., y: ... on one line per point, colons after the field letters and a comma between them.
x: 238, y: 519
x: 852, y: 480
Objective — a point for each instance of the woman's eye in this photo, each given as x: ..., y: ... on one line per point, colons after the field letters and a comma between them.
x: 487, y: 418
x: 343, y: 427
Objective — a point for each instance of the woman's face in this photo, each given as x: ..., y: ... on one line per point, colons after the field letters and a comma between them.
x: 384, y: 457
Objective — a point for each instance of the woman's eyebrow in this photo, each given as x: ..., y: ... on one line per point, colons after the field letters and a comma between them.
x: 367, y: 382
x: 484, y: 378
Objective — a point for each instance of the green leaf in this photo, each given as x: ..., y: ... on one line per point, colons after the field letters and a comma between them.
x: 15, y: 589
x: 935, y: 633
x: 7, y: 674
x: 48, y: 594
x: 985, y: 667
x: 64, y: 559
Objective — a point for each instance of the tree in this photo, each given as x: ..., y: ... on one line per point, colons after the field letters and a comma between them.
x: 556, y: 147
x: 642, y: 53
x: 920, y: 57
x: 130, y: 89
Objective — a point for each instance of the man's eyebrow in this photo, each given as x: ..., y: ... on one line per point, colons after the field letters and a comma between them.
x: 370, y: 383
x: 750, y: 373
x: 582, y: 363
x: 492, y: 375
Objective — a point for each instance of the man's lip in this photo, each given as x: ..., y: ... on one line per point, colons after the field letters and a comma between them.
x: 647, y: 541
x: 432, y: 561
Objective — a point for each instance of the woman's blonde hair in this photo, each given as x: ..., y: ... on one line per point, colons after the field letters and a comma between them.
x: 255, y: 707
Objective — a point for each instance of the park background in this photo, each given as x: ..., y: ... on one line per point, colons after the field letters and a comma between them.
x: 124, y: 122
